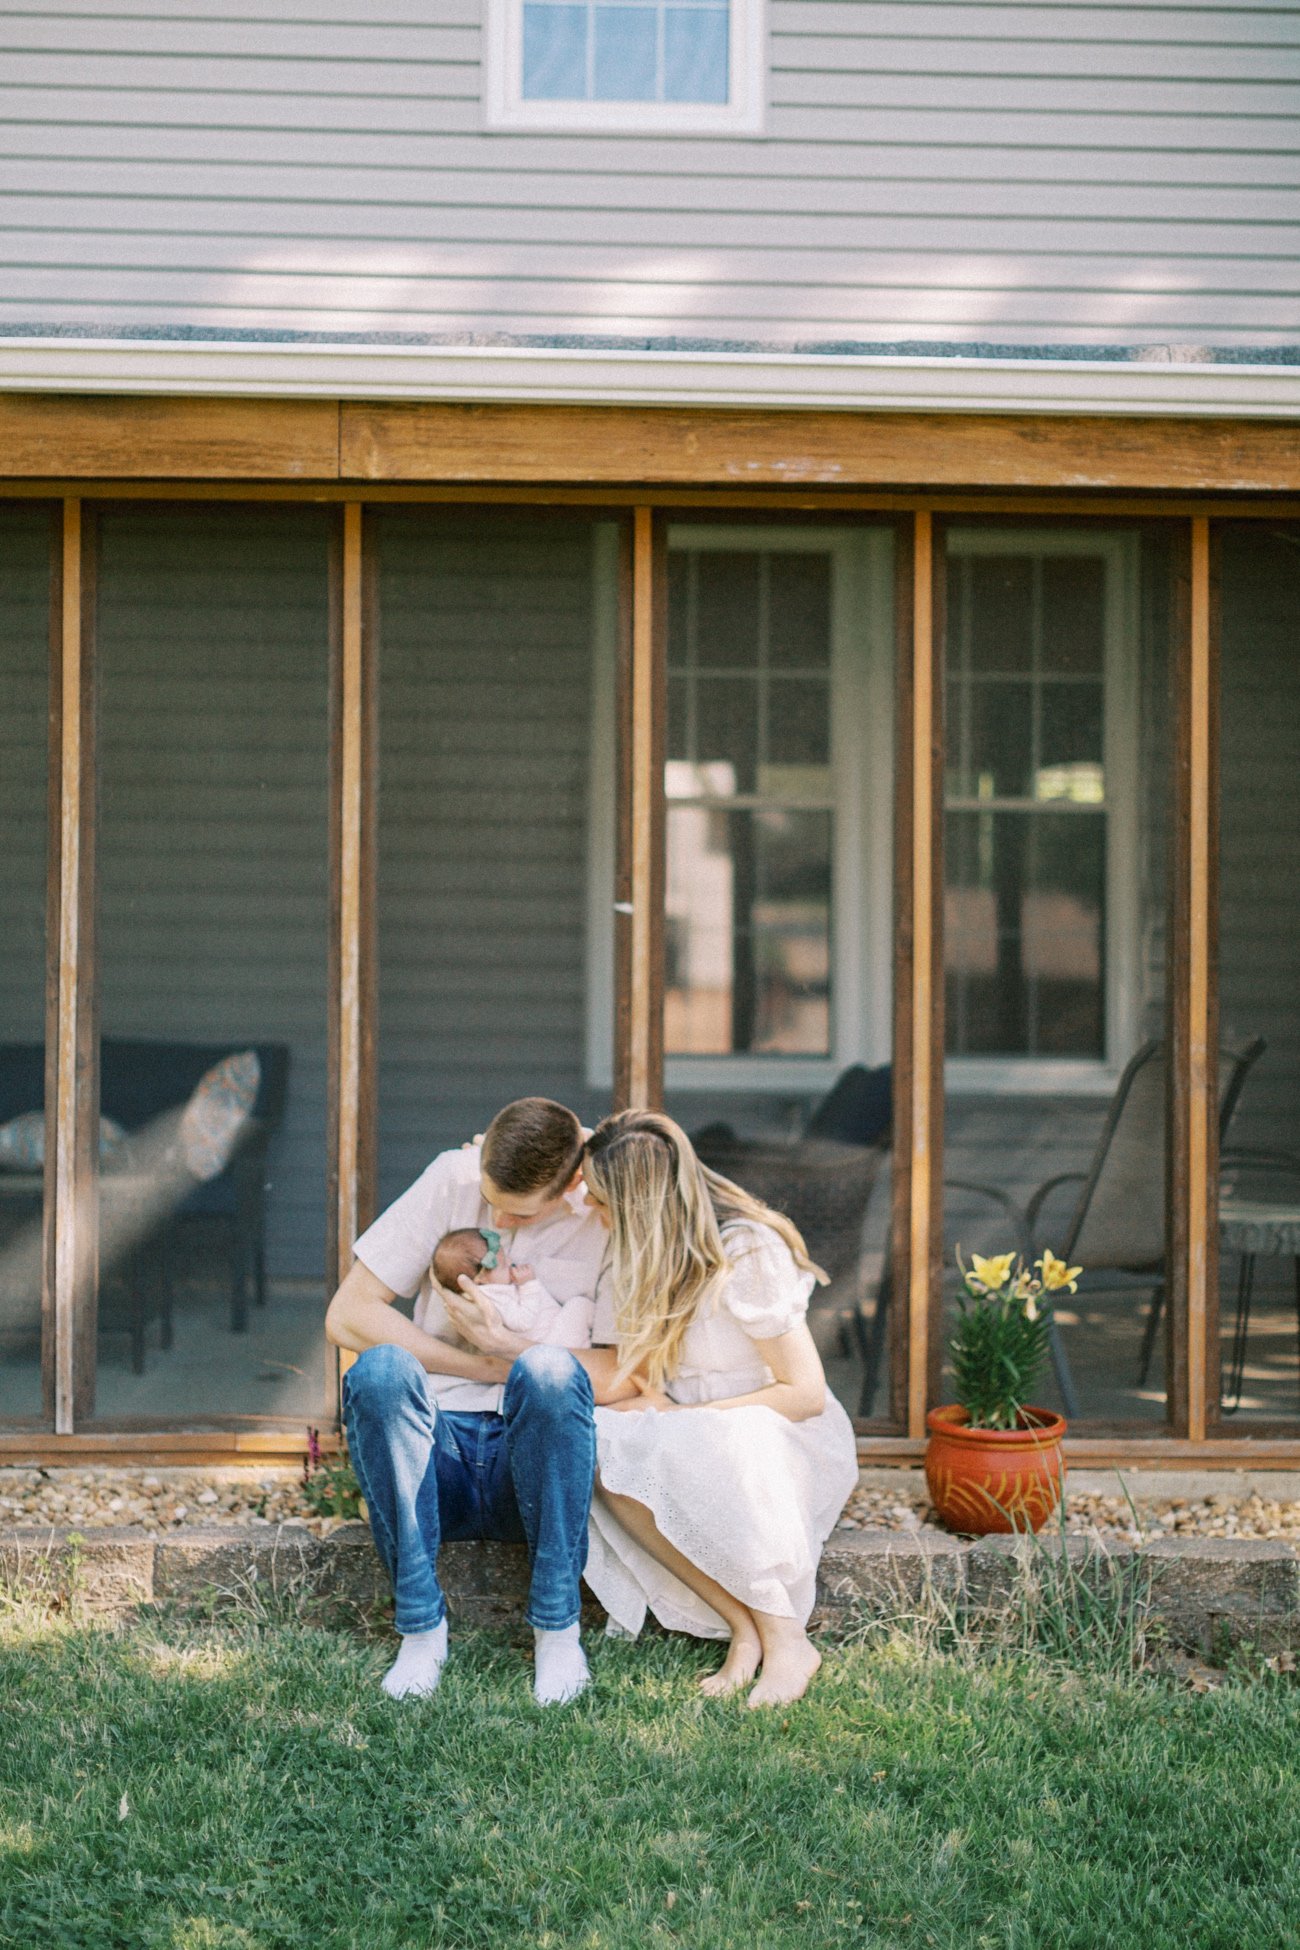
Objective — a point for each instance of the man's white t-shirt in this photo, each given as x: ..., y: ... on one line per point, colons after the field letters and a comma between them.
x: 566, y: 1252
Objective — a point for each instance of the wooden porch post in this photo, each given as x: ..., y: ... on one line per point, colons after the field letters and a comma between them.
x: 918, y: 970
x: 71, y: 1222
x: 353, y: 853
x: 639, y: 871
x: 1192, y: 1176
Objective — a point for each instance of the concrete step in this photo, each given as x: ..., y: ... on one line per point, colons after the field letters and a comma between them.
x: 1205, y: 1593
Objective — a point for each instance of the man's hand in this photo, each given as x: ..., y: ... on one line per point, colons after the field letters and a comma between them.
x: 473, y: 1316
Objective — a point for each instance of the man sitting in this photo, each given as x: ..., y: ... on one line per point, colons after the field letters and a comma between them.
x: 451, y: 1443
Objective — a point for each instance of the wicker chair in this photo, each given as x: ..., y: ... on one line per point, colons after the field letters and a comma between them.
x: 822, y: 1181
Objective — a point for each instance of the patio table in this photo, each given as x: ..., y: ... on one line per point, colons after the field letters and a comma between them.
x: 1249, y: 1227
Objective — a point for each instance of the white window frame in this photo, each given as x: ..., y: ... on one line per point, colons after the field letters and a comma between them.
x: 1121, y: 676
x: 862, y: 696
x: 504, y: 106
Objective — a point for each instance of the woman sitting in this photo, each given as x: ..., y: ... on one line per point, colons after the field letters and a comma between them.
x: 720, y: 1480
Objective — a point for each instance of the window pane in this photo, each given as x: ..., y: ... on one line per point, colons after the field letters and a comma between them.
x: 799, y: 730
x: 1069, y: 743
x: 24, y: 737
x: 678, y: 704
x: 555, y: 52
x: 1034, y: 933
x: 214, y: 910
x: 626, y: 62
x: 726, y: 735
x: 1025, y: 896
x: 1001, y: 612
x: 799, y: 615
x: 695, y: 54
x: 728, y: 598
x: 1001, y: 734
x: 748, y: 915
x: 1074, y: 607
x: 1259, y: 960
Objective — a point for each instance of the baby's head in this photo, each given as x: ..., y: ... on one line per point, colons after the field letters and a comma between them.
x: 469, y: 1253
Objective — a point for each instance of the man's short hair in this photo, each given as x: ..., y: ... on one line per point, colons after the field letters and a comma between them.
x: 532, y: 1146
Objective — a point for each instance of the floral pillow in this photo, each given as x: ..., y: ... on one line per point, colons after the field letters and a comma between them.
x: 22, y: 1142
x: 218, y: 1109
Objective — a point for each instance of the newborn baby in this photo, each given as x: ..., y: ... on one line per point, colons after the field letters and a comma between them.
x: 523, y: 1303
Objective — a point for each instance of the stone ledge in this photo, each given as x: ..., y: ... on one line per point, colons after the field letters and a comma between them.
x: 1205, y: 1592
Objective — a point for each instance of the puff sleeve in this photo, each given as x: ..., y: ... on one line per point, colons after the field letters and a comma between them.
x: 767, y: 1295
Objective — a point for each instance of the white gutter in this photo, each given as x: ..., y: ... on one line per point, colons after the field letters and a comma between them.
x: 547, y: 375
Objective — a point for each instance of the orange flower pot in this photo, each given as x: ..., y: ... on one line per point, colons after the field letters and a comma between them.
x: 984, y: 1481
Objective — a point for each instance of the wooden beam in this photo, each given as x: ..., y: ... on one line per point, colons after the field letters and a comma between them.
x: 639, y: 893
x: 1200, y: 1080
x: 918, y: 1028
x: 1191, y: 1011
x: 352, y: 1001
x: 431, y: 441
x: 1106, y: 505
x: 71, y: 1223
x: 76, y: 436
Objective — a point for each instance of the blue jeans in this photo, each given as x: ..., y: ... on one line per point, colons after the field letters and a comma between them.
x: 427, y: 1473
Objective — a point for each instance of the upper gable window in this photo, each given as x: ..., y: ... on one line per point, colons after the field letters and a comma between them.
x: 689, y: 67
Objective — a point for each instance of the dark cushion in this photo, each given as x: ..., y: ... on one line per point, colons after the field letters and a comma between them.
x: 859, y: 1107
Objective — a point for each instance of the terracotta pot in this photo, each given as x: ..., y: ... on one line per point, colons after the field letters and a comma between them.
x: 987, y: 1480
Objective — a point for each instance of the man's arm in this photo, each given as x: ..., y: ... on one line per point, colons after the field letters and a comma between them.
x: 362, y: 1315
x: 478, y: 1320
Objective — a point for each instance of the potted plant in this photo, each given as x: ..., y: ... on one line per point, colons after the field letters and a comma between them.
x: 993, y: 1462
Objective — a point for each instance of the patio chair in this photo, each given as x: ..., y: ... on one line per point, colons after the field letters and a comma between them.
x: 1116, y: 1227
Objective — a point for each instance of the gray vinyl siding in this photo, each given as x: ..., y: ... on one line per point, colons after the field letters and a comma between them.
x: 214, y: 822
x: 1021, y: 174
x: 485, y: 753
x: 24, y: 715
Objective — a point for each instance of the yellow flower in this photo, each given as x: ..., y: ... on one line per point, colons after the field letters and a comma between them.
x: 1026, y: 1286
x: 1031, y: 1308
x: 1056, y: 1274
x: 993, y: 1272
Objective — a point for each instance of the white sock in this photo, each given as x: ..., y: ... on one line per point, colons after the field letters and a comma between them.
x: 561, y: 1666
x: 416, y: 1670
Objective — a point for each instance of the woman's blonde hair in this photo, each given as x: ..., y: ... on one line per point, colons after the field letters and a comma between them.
x: 667, y: 1211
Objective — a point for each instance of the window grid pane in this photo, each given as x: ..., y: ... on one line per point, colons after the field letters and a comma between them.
x: 1025, y: 801
x: 749, y: 785
x: 626, y: 50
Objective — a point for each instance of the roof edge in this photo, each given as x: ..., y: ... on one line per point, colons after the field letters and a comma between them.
x: 579, y: 375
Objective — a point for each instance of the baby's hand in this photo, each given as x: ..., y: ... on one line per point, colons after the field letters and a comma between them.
x: 520, y: 1275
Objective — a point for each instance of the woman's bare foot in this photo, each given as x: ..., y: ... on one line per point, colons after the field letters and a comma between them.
x: 738, y: 1668
x: 788, y: 1670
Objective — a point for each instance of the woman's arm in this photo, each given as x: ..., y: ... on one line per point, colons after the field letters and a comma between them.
x: 798, y: 1387
x: 362, y: 1315
x: 477, y: 1319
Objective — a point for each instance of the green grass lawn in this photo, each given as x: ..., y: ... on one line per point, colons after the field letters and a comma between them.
x: 202, y: 1786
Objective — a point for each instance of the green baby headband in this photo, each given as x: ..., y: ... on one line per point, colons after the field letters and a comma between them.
x: 492, y: 1240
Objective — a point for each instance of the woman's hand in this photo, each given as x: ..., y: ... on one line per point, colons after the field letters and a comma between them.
x: 646, y: 1396
x: 477, y: 1320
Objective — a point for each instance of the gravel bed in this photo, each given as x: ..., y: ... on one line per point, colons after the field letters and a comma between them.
x: 1224, y: 1515
x: 167, y: 1499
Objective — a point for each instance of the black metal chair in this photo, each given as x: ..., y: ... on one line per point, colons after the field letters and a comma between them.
x: 1115, y: 1227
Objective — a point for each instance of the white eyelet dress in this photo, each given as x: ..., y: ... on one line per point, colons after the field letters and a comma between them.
x: 747, y: 1495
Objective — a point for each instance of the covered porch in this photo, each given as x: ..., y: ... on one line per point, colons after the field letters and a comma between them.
x: 632, y: 755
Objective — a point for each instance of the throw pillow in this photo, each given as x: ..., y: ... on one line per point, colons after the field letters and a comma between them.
x: 218, y: 1109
